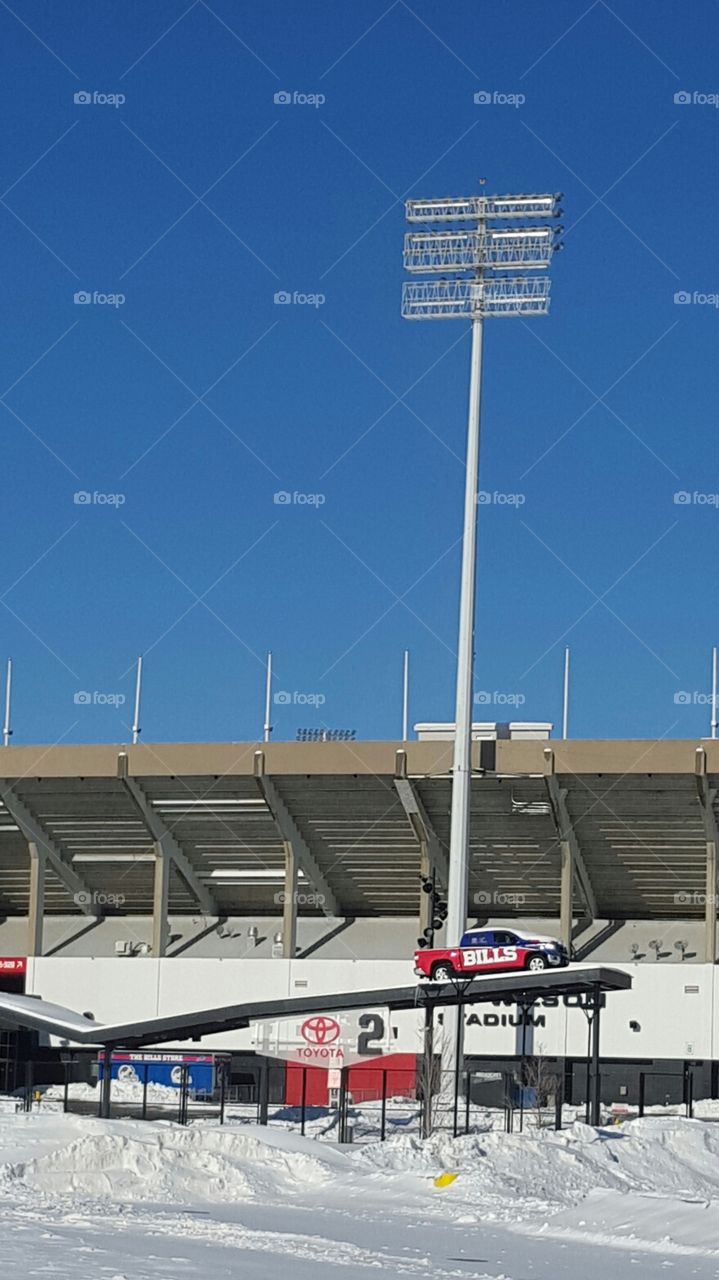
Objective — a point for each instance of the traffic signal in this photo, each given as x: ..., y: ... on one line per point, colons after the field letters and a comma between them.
x: 437, y: 910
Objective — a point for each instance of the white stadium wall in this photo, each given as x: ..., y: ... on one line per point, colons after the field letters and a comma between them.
x: 674, y: 1007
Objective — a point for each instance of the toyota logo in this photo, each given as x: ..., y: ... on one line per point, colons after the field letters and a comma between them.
x: 320, y: 1030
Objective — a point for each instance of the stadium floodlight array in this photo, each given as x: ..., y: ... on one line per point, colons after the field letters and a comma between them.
x: 486, y: 251
x: 326, y: 735
x: 511, y: 234
x: 502, y: 248
x: 500, y: 296
x: 449, y: 209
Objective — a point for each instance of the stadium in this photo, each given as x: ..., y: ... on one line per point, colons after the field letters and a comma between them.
x: 435, y: 994
x: 147, y: 880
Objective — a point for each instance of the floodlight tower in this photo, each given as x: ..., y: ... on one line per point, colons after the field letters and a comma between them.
x: 476, y: 265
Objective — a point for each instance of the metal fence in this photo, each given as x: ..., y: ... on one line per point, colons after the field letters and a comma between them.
x: 357, y: 1112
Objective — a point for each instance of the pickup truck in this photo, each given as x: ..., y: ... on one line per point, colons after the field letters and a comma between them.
x: 491, y: 951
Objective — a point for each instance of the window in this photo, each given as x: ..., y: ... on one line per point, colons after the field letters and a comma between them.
x: 478, y: 940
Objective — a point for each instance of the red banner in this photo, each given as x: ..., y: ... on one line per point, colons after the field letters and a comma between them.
x: 13, y: 964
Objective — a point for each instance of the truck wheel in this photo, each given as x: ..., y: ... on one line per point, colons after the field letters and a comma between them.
x: 535, y: 964
x: 442, y: 973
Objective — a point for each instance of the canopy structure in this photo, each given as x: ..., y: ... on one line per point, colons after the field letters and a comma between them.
x: 512, y: 988
x: 52, y: 1019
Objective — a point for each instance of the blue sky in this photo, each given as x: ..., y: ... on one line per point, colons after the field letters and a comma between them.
x: 197, y: 398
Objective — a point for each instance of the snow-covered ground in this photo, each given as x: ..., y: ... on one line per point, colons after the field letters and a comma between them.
x: 126, y: 1200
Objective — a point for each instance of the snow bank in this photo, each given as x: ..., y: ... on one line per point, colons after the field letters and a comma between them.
x: 122, y: 1091
x: 660, y: 1224
x: 652, y: 1183
x: 134, y: 1161
x: 513, y: 1176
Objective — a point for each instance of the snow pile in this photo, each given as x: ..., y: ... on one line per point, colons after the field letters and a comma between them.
x: 135, y: 1161
x: 651, y: 1184
x: 541, y: 1172
x: 122, y: 1091
x: 661, y: 1224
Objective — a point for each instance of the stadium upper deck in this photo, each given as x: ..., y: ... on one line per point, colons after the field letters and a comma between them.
x: 560, y: 830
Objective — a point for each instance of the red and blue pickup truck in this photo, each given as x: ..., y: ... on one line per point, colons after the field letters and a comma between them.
x: 491, y: 951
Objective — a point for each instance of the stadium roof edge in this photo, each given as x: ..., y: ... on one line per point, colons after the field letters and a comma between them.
x: 424, y: 759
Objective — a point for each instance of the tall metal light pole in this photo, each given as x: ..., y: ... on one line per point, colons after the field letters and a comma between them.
x: 136, y: 730
x: 6, y: 730
x: 477, y: 261
x: 405, y: 696
x: 713, y: 725
x: 267, y: 727
x: 565, y: 695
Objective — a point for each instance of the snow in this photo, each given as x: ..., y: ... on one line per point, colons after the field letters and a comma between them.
x: 129, y: 1160
x: 123, y: 1199
x: 535, y: 1174
x: 122, y: 1091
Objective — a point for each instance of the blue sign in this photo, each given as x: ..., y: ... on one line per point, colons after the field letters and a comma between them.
x: 203, y: 1070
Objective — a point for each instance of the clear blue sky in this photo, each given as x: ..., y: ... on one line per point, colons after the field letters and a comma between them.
x: 198, y: 398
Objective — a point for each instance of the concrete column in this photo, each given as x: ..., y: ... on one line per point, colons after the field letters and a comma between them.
x: 710, y: 907
x: 36, y: 907
x: 707, y: 798
x: 161, y: 898
x: 289, y: 908
x: 566, y: 909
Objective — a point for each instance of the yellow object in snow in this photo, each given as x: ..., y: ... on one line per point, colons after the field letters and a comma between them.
x: 445, y: 1179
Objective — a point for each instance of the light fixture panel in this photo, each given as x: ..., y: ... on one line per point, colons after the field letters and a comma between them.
x: 456, y: 299
x: 472, y: 208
